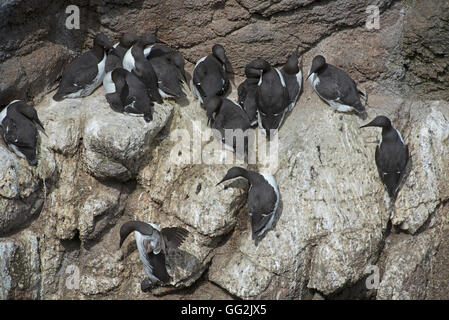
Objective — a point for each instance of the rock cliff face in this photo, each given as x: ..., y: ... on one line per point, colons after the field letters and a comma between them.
x: 59, y: 222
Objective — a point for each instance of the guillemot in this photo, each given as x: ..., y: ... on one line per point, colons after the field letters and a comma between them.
x: 127, y: 94
x: 152, y: 243
x: 173, y: 56
x: 115, y: 58
x: 392, y: 155
x: 272, y: 98
x: 263, y: 198
x: 169, y: 70
x: 335, y: 87
x: 136, y: 62
x: 247, y: 94
x: 230, y: 120
x: 293, y: 78
x: 210, y: 75
x: 85, y: 73
x: 18, y: 127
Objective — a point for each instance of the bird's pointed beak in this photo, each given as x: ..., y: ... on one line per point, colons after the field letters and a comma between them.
x: 309, y: 76
x: 222, y: 180
x: 370, y: 124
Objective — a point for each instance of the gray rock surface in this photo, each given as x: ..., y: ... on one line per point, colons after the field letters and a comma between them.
x: 20, y: 196
x: 20, y: 267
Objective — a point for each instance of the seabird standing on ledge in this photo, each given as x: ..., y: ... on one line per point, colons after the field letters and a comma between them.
x: 173, y: 56
x: 85, y: 73
x: 152, y: 243
x: 293, y: 78
x: 125, y: 93
x: 335, y: 87
x: 391, y: 155
x: 18, y: 127
x: 247, y: 94
x: 115, y: 57
x: 169, y: 75
x: 135, y: 61
x: 263, y: 198
x: 272, y: 98
x: 210, y: 74
x: 223, y: 115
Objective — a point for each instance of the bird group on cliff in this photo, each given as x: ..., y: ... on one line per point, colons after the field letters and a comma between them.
x: 139, y: 71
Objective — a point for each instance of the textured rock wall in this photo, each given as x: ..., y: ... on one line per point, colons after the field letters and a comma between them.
x: 59, y: 222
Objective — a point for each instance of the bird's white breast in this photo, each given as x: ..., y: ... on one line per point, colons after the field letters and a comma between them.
x: 109, y: 85
x: 314, y: 80
x: 400, y: 136
x: 197, y: 94
x: 270, y: 179
x: 299, y: 81
x: 17, y: 151
x: 3, y: 114
x: 128, y: 60
x: 281, y: 77
x: 199, y: 61
x: 147, y: 51
x: 97, y: 81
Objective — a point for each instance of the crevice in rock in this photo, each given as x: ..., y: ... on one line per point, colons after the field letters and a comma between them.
x: 233, y: 296
x: 426, y: 225
x: 73, y: 244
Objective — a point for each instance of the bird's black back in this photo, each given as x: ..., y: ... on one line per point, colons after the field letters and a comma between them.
x: 271, y: 96
x: 391, y: 159
x: 336, y: 84
x: 212, y: 77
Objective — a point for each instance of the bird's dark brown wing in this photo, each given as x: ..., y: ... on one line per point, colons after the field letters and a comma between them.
x: 174, y: 236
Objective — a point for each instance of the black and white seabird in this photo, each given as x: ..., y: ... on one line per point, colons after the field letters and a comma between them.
x: 247, y: 94
x: 169, y: 68
x: 18, y: 127
x: 152, y: 243
x: 335, y: 87
x: 293, y: 78
x: 127, y: 94
x: 263, y: 198
x: 272, y: 97
x: 85, y: 73
x: 135, y: 61
x: 115, y: 57
x: 173, y: 56
x: 210, y: 75
x: 228, y: 117
x: 391, y: 155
